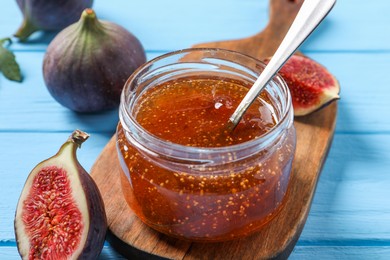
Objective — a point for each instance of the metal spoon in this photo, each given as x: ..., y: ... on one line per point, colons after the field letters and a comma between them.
x: 310, y: 15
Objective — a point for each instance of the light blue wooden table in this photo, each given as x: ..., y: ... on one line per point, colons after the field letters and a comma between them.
x: 350, y: 214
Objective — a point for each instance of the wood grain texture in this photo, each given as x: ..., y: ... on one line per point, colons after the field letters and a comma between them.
x: 132, y: 238
x: 264, y: 43
x: 277, y: 239
x: 28, y: 107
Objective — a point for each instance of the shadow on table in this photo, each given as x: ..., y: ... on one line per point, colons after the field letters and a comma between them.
x: 109, y: 253
x: 40, y: 37
x: 320, y: 35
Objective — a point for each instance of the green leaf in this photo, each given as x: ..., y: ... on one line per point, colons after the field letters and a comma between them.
x: 8, y: 64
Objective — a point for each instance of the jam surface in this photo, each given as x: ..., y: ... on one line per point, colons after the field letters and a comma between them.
x: 195, y: 112
x: 214, y: 202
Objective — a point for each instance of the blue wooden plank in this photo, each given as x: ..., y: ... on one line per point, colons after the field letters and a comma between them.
x: 353, y: 26
x: 44, y: 113
x: 11, y: 253
x: 364, y: 90
x: 350, y: 212
x: 299, y: 253
x: 351, y: 202
x: 179, y: 24
x: 362, y: 106
x: 340, y: 252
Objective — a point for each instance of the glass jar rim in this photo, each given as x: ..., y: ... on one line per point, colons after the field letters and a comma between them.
x: 125, y: 114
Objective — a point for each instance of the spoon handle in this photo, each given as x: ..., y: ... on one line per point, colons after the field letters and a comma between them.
x: 310, y: 15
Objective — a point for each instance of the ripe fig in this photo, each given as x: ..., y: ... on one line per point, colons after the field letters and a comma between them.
x: 60, y: 213
x: 87, y: 64
x: 48, y: 15
x: 311, y: 85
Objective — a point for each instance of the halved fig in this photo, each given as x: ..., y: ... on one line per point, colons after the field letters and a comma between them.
x: 311, y: 85
x: 60, y: 213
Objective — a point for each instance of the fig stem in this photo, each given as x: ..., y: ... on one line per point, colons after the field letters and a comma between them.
x: 25, y: 30
x: 89, y: 21
x: 2, y: 41
x: 78, y: 137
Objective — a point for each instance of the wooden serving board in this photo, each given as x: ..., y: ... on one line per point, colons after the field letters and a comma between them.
x: 133, y: 239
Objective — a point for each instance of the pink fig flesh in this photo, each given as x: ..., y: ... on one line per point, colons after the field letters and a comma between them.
x: 60, y: 213
x: 44, y: 211
x: 311, y: 85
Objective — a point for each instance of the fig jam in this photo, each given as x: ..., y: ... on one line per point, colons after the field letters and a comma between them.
x: 195, y: 112
x: 186, y: 175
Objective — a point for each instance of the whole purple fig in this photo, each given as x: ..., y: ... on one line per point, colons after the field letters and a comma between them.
x: 49, y: 15
x: 87, y: 64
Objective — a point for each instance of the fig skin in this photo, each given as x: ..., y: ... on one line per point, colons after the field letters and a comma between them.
x: 311, y: 85
x: 48, y: 15
x: 87, y: 64
x: 87, y: 199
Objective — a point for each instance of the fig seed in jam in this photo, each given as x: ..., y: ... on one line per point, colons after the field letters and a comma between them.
x: 204, y: 200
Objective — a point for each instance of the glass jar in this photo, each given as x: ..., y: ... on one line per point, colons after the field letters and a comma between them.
x: 204, y: 193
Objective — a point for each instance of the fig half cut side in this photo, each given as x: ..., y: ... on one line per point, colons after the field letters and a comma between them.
x: 311, y: 85
x: 60, y: 213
